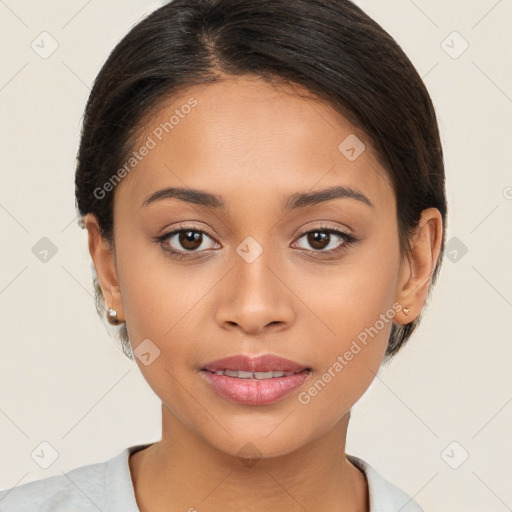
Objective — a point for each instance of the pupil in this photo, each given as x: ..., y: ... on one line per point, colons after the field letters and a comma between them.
x: 318, y: 240
x: 190, y: 239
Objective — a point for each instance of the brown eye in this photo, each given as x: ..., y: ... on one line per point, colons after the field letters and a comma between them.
x: 318, y: 239
x: 326, y: 240
x: 190, y: 240
x: 186, y: 240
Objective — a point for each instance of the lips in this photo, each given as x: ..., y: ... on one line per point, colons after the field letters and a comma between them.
x: 261, y: 364
x: 258, y: 381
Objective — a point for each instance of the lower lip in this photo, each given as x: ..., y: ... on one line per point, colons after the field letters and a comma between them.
x: 255, y: 391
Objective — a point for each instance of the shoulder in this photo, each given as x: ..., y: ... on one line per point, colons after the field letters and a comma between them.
x: 384, y: 496
x: 77, y: 488
x: 87, y: 488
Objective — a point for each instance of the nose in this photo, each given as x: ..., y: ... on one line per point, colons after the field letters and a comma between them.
x: 255, y: 297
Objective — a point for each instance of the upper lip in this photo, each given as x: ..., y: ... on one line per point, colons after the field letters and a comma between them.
x: 264, y: 363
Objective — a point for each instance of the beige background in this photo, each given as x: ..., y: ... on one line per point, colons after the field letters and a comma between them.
x: 63, y: 382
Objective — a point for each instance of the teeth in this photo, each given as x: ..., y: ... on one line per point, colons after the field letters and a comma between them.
x: 254, y: 375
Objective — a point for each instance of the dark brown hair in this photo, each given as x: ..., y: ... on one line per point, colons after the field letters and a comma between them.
x: 329, y: 47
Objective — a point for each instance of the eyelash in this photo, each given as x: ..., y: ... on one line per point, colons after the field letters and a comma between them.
x: 347, y: 239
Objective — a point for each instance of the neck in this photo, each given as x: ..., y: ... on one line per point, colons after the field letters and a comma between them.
x: 183, y: 472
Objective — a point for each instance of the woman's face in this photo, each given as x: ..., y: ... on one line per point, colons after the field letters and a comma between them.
x: 257, y: 270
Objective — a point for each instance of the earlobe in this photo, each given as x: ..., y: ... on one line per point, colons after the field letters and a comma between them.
x: 103, y: 258
x: 418, y: 270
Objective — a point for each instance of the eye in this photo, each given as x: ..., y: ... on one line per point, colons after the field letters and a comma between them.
x: 327, y: 240
x: 185, y: 239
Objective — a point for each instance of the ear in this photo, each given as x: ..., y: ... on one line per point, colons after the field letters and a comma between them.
x: 103, y: 257
x: 416, y: 271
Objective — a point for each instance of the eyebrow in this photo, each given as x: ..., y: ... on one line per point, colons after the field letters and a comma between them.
x: 295, y: 201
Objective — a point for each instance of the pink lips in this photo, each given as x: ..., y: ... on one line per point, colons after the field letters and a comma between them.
x: 255, y: 391
x: 265, y: 363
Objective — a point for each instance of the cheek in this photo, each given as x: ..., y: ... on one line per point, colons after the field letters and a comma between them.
x: 348, y: 359
x: 349, y: 298
x: 164, y: 303
x: 356, y: 310
x: 361, y: 297
x: 152, y: 288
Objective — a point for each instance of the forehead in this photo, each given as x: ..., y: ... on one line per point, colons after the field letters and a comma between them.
x: 247, y: 140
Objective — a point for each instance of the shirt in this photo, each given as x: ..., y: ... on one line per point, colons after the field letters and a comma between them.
x: 108, y: 486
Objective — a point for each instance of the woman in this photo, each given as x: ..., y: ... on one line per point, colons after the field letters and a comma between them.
x: 263, y: 188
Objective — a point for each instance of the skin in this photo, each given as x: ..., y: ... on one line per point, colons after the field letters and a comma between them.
x: 255, y: 145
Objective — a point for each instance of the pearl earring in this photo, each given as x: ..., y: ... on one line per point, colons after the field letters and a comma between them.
x: 112, y: 316
x: 406, y: 310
